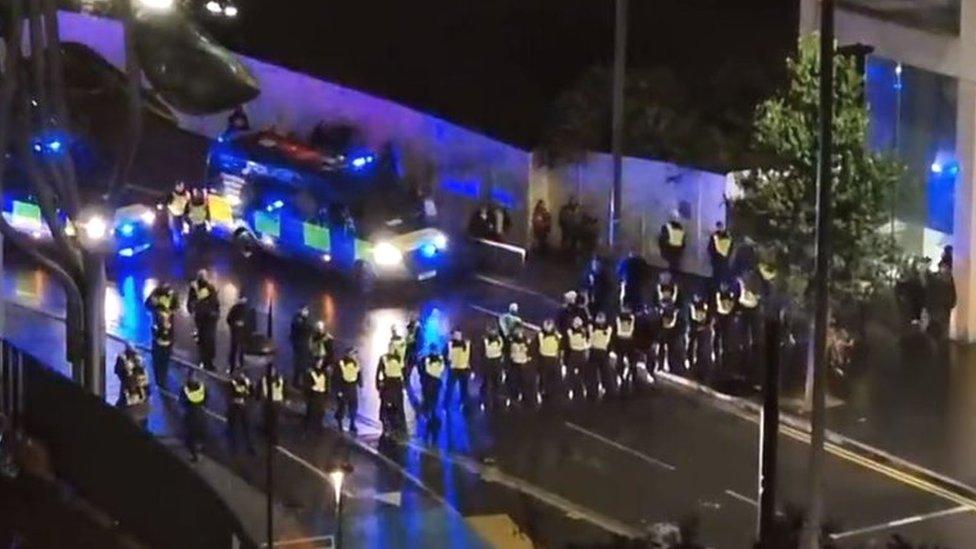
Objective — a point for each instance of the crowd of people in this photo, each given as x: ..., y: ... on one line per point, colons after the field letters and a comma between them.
x: 925, y: 296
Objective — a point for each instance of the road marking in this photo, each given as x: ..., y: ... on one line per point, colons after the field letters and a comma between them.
x: 745, y: 499
x: 902, y: 522
x: 328, y: 541
x: 515, y: 288
x: 614, y: 444
x: 497, y: 476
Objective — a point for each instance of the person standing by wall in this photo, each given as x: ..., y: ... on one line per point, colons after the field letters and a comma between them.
x: 720, y: 253
x: 541, y: 227
x: 569, y: 221
x: 940, y: 299
x: 671, y: 242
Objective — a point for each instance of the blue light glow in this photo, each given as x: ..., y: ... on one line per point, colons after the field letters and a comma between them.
x: 126, y: 252
x: 360, y: 162
x: 936, y: 167
x: 278, y: 204
x: 127, y: 229
x: 54, y: 145
x: 428, y: 250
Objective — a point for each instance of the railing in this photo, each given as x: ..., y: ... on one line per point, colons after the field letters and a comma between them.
x: 112, y: 463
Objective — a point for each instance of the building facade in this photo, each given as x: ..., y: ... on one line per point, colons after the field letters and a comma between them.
x: 921, y: 90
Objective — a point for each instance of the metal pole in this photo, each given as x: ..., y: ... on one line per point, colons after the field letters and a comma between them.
x: 619, y: 74
x: 769, y: 437
x: 95, y: 322
x: 811, y: 528
x: 271, y: 426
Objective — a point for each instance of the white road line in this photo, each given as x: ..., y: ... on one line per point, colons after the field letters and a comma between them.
x: 515, y: 288
x: 612, y: 443
x: 902, y: 522
x: 302, y: 541
x: 745, y: 499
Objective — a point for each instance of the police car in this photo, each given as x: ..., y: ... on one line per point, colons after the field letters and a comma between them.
x: 345, y: 211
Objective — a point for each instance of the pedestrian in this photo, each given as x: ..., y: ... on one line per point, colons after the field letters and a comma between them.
x: 240, y: 392
x: 320, y: 348
x: 666, y: 289
x: 567, y: 312
x: 459, y: 373
x: 241, y: 321
x: 910, y: 293
x: 299, y: 336
x: 699, y: 330
x: 412, y: 337
x: 671, y: 242
x: 946, y: 258
x: 134, y: 400
x: 430, y: 379
x: 500, y: 222
x: 389, y: 384
x: 349, y: 379
x: 940, y: 299
x: 578, y: 342
x: 597, y: 286
x: 203, y: 304
x: 491, y: 367
x: 162, y: 347
x: 316, y: 394
x: 479, y: 227
x: 725, y: 300
x: 623, y: 346
x: 632, y: 276
x: 748, y: 312
x: 550, y: 363
x: 598, y: 368
x: 569, y: 225
x: 521, y: 376
x: 669, y: 336
x: 273, y: 397
x: 125, y: 366
x: 194, y: 397
x: 541, y: 227
x: 509, y: 321
x: 720, y: 253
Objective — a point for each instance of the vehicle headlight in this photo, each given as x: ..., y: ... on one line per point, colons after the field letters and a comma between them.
x: 387, y: 255
x: 148, y: 217
x: 440, y: 241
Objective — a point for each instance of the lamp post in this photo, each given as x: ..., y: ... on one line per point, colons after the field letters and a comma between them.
x: 617, y: 122
x: 337, y: 476
x: 95, y: 237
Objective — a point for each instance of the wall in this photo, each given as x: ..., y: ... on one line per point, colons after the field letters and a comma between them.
x: 651, y: 191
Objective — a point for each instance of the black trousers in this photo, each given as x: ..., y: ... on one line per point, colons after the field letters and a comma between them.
x: 314, y: 411
x: 160, y: 363
x: 239, y: 426
x: 668, y: 348
x: 530, y: 384
x: 461, y: 378
x: 600, y: 372
x: 575, y: 364
x: 431, y: 387
x: 347, y: 404
x: 551, y: 375
x: 693, y: 351
x: 513, y: 380
x: 207, y: 343
x: 672, y: 256
x: 721, y: 340
x: 235, y: 358
x: 193, y: 429
x: 391, y: 405
x: 720, y: 271
x: 491, y: 380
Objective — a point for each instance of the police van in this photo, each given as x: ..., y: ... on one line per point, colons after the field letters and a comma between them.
x: 347, y: 211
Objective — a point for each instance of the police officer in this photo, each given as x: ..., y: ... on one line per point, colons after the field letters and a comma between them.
x: 412, y: 337
x: 241, y: 320
x: 162, y: 346
x: 459, y: 360
x: 518, y: 361
x: 669, y: 336
x: 491, y: 367
x: 203, y: 304
x: 397, y: 345
x: 389, y: 384
x: 316, y: 393
x: 194, y: 396
x: 624, y: 345
x: 767, y: 277
x: 240, y: 391
x: 299, y: 336
x: 699, y: 328
x: 598, y: 368
x: 597, y: 284
x: 671, y: 242
x: 724, y: 310
x: 350, y: 379
x: 273, y: 397
x: 578, y: 343
x: 125, y: 366
x: 719, y: 253
x: 748, y: 310
x: 163, y: 299
x: 632, y: 274
x: 197, y: 211
x: 550, y: 364
x: 320, y: 346
x: 666, y: 289
x: 176, y: 203
x: 430, y: 380
x: 134, y: 400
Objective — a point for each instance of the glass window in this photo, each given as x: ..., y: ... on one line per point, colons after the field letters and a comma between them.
x: 940, y: 16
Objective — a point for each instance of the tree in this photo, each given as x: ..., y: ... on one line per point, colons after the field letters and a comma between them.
x: 187, y: 69
x: 778, y: 203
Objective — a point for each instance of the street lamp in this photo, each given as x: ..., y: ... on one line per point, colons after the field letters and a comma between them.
x: 160, y: 5
x: 337, y: 476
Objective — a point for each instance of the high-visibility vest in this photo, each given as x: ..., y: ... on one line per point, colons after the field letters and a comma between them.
x: 162, y: 335
x: 177, y: 203
x: 767, y: 271
x: 319, y: 381
x: 398, y: 346
x: 747, y: 298
x: 699, y: 312
x: 723, y: 243
x: 240, y: 389
x: 349, y: 368
x: 493, y: 347
x: 519, y: 351
x: 164, y: 301
x: 460, y: 355
x: 667, y: 291
x: 277, y: 388
x: 625, y: 326
x: 724, y: 304
x: 577, y: 340
x: 670, y: 319
x: 195, y: 396
x: 549, y: 344
x: 676, y: 234
x: 392, y: 366
x: 600, y: 337
x: 434, y: 366
x: 201, y: 289
x: 198, y: 213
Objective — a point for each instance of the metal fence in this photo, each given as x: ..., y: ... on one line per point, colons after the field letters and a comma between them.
x: 119, y: 468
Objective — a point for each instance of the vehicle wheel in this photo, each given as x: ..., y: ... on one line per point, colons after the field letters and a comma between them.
x: 364, y: 277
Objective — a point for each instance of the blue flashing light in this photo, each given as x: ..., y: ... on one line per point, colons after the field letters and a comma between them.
x: 127, y: 252
x: 54, y: 145
x: 428, y: 250
x: 360, y: 162
x: 127, y: 229
x: 278, y: 204
x: 38, y: 148
x: 936, y: 167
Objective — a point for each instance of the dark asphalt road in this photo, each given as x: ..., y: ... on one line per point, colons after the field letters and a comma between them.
x: 577, y: 474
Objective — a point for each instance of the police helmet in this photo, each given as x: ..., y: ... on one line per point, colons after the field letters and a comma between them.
x: 601, y: 318
x: 577, y: 322
x: 513, y: 308
x: 548, y: 324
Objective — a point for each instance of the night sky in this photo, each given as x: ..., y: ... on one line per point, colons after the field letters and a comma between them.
x: 497, y: 65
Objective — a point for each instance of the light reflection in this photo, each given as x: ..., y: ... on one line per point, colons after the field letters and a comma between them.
x: 148, y: 286
x: 328, y: 310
